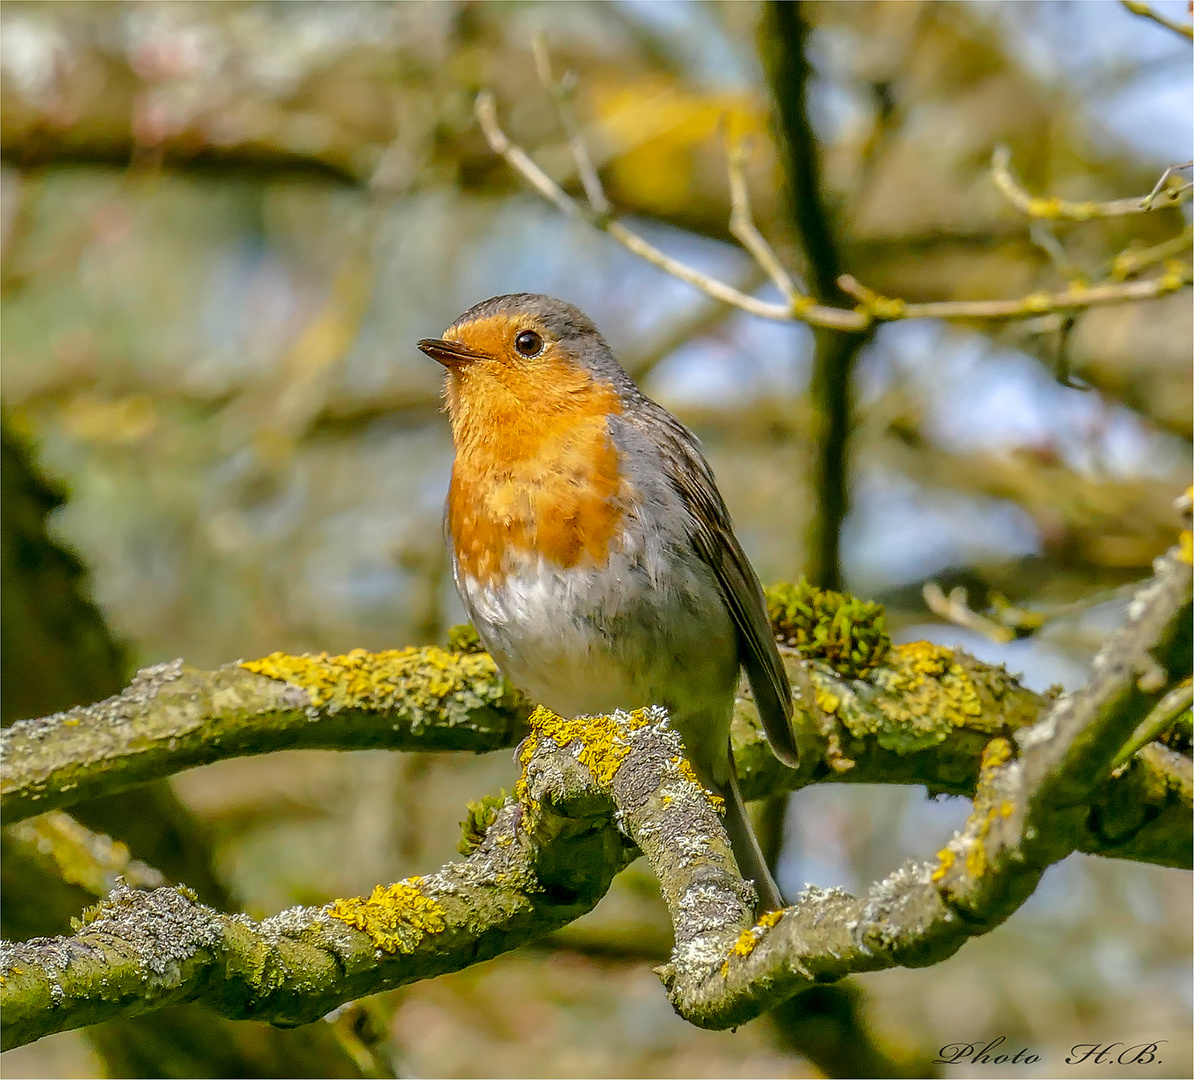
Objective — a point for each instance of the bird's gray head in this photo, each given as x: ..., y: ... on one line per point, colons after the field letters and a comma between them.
x: 524, y: 340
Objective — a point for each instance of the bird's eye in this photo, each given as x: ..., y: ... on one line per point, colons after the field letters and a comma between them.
x: 529, y: 343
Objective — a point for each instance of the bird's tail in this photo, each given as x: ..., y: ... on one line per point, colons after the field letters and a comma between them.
x: 745, y: 845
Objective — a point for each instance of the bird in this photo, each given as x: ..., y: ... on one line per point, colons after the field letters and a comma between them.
x: 592, y: 549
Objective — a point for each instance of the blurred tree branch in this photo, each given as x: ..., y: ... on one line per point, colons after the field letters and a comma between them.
x: 57, y: 649
x: 1054, y: 209
x: 872, y: 308
x: 390, y: 112
x: 548, y: 855
x: 784, y: 47
x: 1146, y: 11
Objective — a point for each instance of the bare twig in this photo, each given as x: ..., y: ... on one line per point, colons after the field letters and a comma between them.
x: 1054, y: 209
x: 562, y: 93
x: 1129, y: 263
x: 1040, y: 233
x: 1076, y: 297
x: 1164, y: 713
x: 521, y: 162
x: 873, y: 309
x: 1159, y: 186
x: 1007, y: 622
x: 1025, y: 622
x: 1137, y: 7
x: 1075, y: 745
x: 703, y: 320
x: 743, y: 227
x: 955, y: 608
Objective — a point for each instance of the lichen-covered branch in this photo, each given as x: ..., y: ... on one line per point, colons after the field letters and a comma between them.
x: 909, y: 714
x: 173, y: 717
x: 542, y: 863
x: 1025, y: 814
x: 589, y: 787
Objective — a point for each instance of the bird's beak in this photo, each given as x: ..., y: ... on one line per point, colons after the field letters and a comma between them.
x: 449, y: 353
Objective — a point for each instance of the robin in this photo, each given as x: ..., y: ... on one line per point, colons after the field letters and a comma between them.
x: 592, y: 549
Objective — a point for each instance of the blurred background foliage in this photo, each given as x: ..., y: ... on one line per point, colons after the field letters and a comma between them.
x: 226, y: 224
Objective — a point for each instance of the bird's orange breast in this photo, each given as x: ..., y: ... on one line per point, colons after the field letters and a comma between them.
x: 534, y: 476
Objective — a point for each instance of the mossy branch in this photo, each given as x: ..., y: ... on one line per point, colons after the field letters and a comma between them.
x: 140, y: 951
x: 912, y: 714
x: 64, y: 849
x: 1029, y: 809
x: 590, y: 790
x: 173, y: 717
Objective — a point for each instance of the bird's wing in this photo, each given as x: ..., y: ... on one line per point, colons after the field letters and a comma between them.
x: 716, y: 543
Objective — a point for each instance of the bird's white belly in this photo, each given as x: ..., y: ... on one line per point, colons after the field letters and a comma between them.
x: 585, y: 642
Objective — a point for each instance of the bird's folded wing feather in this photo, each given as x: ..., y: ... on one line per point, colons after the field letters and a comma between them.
x: 716, y: 543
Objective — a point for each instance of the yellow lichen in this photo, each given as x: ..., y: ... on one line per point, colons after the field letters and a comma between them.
x: 395, y: 917
x: 945, y: 860
x: 425, y: 682
x: 927, y: 694
x: 750, y: 938
x: 996, y: 754
x: 828, y: 703
x: 684, y: 767
x: 976, y: 856
x: 602, y: 739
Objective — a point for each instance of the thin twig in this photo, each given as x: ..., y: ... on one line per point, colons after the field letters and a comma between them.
x: 521, y: 162
x: 699, y: 322
x: 561, y: 93
x: 1074, y: 298
x: 1043, y: 236
x: 1147, y: 202
x: 1186, y: 30
x: 1054, y: 209
x: 1007, y: 621
x: 956, y: 609
x: 873, y: 308
x: 743, y: 227
x: 1129, y: 263
x: 1164, y: 713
